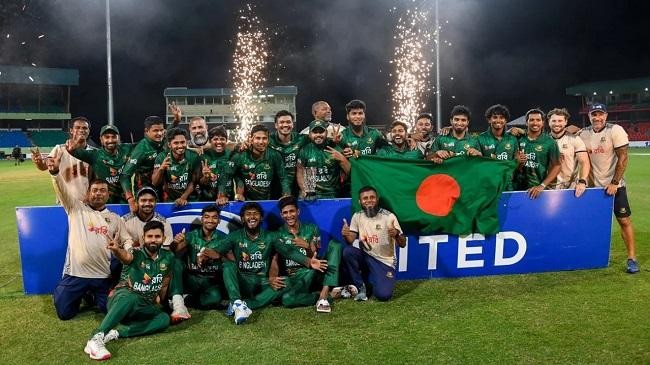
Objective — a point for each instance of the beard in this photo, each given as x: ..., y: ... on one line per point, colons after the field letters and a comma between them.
x: 152, y: 248
x: 371, y: 212
x: 199, y: 139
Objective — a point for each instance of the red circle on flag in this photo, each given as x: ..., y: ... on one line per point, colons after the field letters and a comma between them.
x: 437, y: 194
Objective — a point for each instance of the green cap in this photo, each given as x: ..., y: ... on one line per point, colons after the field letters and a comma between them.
x: 316, y: 124
x: 109, y: 128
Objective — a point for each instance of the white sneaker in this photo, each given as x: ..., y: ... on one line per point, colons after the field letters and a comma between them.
x: 111, y: 335
x: 341, y: 292
x: 352, y: 289
x: 96, y: 349
x: 323, y: 306
x: 242, y: 312
x: 179, y: 312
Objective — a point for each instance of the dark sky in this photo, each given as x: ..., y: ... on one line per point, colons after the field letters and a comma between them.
x: 519, y: 53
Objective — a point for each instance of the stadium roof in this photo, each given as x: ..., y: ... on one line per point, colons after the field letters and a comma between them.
x: 618, y: 87
x: 183, y: 91
x: 38, y: 75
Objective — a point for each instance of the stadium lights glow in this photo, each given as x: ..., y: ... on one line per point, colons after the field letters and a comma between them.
x: 610, y: 92
x: 646, y: 89
x: 595, y: 93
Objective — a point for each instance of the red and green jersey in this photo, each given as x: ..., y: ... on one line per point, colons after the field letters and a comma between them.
x: 392, y: 151
x: 308, y: 232
x: 257, y: 176
x: 458, y: 146
x: 107, y: 167
x: 179, y: 174
x: 145, y: 275
x: 195, y: 242
x: 322, y: 171
x: 221, y: 178
x: 367, y: 143
x: 140, y: 165
x: 540, y: 154
x: 252, y: 255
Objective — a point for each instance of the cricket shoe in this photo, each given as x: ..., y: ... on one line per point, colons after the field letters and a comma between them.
x: 111, y: 336
x: 323, y: 306
x: 344, y: 292
x: 230, y: 311
x: 632, y: 266
x: 242, y: 312
x: 96, y: 349
x: 361, y: 295
x: 179, y: 312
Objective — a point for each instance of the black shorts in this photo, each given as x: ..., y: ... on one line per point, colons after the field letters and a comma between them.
x: 621, y: 205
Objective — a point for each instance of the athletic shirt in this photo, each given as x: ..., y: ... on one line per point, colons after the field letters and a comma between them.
x: 308, y: 232
x: 540, y: 152
x: 569, y: 145
x: 288, y: 151
x: 374, y: 231
x: 221, y: 179
x: 367, y: 143
x: 321, y: 170
x: 252, y: 255
x: 86, y: 254
x: 73, y: 171
x: 195, y: 242
x: 600, y: 146
x: 145, y: 275
x: 257, y: 176
x: 504, y: 149
x: 391, y: 151
x: 140, y: 165
x: 107, y: 167
x: 135, y: 228
x: 458, y: 146
x: 179, y: 174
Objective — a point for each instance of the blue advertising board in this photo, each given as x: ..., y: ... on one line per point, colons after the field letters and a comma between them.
x: 552, y: 233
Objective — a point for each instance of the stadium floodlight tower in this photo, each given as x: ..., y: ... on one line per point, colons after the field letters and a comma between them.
x: 109, y: 68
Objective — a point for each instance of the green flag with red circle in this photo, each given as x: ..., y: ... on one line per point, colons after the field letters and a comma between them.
x: 459, y: 196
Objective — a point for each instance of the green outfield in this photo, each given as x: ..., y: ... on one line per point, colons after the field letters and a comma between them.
x: 592, y: 316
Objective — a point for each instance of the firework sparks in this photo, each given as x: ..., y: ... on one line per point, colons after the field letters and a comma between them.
x: 411, y: 65
x: 248, y: 66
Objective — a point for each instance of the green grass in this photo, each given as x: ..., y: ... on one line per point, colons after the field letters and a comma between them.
x: 594, y: 316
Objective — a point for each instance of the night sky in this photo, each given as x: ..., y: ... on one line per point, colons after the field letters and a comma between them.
x: 519, y: 53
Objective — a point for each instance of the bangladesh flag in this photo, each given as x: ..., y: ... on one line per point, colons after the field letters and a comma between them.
x: 459, y: 196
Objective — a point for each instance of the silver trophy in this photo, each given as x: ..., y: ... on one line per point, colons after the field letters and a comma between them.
x: 310, y: 183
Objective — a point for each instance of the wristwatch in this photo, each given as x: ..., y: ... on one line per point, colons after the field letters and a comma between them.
x: 582, y: 181
x: 614, y: 182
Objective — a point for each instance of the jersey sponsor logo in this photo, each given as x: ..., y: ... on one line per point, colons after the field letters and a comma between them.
x: 97, y: 229
x: 502, y: 156
x: 598, y: 150
x: 366, y: 151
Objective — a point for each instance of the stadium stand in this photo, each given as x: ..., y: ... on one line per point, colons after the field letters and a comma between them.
x: 48, y: 138
x: 14, y: 138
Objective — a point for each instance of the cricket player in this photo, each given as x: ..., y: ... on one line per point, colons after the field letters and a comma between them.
x: 134, y: 304
x: 287, y: 142
x: 177, y: 170
x: 399, y: 147
x: 457, y: 143
x: 574, y: 160
x: 215, y: 183
x: 495, y: 142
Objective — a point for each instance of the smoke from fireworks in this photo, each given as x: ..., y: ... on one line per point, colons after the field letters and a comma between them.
x: 248, y: 66
x: 412, y: 65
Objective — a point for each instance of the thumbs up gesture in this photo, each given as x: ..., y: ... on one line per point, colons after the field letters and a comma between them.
x: 392, y: 231
x: 346, y: 229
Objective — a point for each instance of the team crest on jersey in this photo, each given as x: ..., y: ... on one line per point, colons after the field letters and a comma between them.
x: 108, y: 220
x: 266, y: 166
x: 142, y: 265
x: 261, y: 245
x: 565, y: 146
x: 369, y: 140
x: 602, y: 139
x: 539, y: 148
x: 163, y: 266
x: 507, y: 146
x: 378, y: 227
x: 466, y: 146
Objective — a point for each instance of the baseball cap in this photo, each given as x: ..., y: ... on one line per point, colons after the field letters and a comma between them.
x: 316, y: 124
x: 147, y: 190
x: 597, y: 107
x: 109, y: 128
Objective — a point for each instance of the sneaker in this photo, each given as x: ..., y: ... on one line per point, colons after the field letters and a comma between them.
x: 242, y: 312
x: 111, y: 335
x: 361, y: 295
x: 180, y: 312
x: 340, y: 292
x: 323, y: 306
x: 352, y: 289
x: 632, y: 266
x: 96, y: 349
x: 230, y: 311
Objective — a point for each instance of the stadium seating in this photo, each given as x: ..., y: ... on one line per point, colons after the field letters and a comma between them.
x: 48, y: 138
x: 639, y: 131
x: 13, y: 138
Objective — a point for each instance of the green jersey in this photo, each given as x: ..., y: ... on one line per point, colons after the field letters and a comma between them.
x: 221, y: 179
x: 140, y: 164
x: 145, y: 275
x: 258, y: 176
x: 540, y: 154
x: 322, y: 171
x: 391, y: 151
x: 252, y: 255
x: 308, y: 232
x: 505, y: 148
x: 179, y: 174
x: 107, y: 167
x: 289, y: 151
x: 458, y: 146
x: 195, y: 242
x: 367, y: 143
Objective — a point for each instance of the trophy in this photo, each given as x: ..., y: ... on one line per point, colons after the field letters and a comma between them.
x: 310, y: 183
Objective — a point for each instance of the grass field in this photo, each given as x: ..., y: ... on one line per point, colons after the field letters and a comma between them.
x: 593, y: 316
